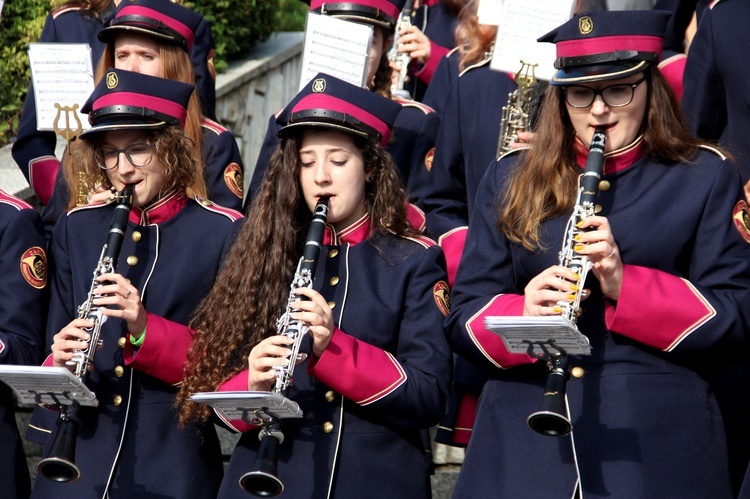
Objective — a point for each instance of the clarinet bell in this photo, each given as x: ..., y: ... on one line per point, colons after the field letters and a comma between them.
x: 551, y: 419
x: 262, y: 480
x: 59, y: 465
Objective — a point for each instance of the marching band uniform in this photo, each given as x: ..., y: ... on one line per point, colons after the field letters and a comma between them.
x: 171, y: 252
x: 34, y: 151
x: 445, y: 74
x: 416, y: 128
x: 683, y: 306
x: 23, y: 309
x: 383, y: 379
x: 715, y: 86
x: 438, y: 23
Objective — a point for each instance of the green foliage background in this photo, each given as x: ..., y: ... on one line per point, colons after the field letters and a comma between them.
x: 237, y: 25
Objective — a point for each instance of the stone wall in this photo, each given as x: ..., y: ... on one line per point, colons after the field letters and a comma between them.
x: 247, y: 94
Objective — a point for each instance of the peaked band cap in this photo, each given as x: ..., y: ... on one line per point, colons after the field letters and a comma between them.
x: 381, y: 12
x: 124, y: 100
x: 159, y: 18
x: 329, y: 102
x: 605, y: 45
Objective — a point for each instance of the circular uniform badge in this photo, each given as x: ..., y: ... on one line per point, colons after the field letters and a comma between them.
x: 429, y: 158
x: 741, y: 217
x: 34, y: 267
x: 233, y: 179
x: 442, y: 294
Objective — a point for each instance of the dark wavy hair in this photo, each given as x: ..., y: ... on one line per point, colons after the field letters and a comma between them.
x: 172, y: 148
x: 252, y: 288
x: 543, y: 184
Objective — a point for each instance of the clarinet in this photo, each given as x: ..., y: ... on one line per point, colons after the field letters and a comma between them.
x: 263, y: 481
x: 59, y: 464
x: 401, y: 58
x: 551, y: 419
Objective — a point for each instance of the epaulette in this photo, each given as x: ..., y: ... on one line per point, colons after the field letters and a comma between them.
x: 712, y: 149
x: 513, y: 151
x: 98, y: 204
x: 412, y: 103
x: 424, y: 241
x: 713, y: 4
x: 215, y: 127
x: 451, y: 51
x: 231, y: 214
x: 65, y: 10
x: 13, y: 201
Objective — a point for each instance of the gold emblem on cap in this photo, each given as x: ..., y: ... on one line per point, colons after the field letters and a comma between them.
x: 111, y: 80
x: 585, y: 25
x: 319, y: 86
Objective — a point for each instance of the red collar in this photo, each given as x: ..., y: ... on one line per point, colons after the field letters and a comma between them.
x: 354, y: 234
x: 614, y: 161
x: 160, y: 211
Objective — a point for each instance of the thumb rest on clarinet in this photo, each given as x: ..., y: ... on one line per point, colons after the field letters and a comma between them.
x: 59, y: 464
x: 402, y: 59
x: 552, y: 418
x: 262, y: 480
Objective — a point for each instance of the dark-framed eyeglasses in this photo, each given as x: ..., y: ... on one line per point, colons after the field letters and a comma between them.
x: 139, y: 155
x: 618, y: 95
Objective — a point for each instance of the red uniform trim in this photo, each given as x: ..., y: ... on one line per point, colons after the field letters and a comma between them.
x: 614, y: 161
x: 13, y: 201
x: 649, y: 297
x: 415, y: 216
x: 490, y: 344
x: 359, y: 371
x: 65, y: 10
x: 215, y: 127
x: 604, y: 44
x: 164, y: 106
x: 164, y: 349
x: 453, y: 243
x: 42, y: 173
x: 673, y: 70
x: 231, y: 214
x: 171, y: 22
x: 467, y: 413
x: 383, y: 5
x: 237, y: 383
x: 437, y: 52
x: 412, y: 103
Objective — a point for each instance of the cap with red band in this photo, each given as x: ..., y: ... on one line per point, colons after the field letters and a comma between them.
x: 159, y: 18
x: 382, y: 12
x: 124, y: 100
x: 605, y: 45
x: 329, y: 102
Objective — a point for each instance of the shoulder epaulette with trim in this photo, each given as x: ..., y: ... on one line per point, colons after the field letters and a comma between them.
x: 215, y: 127
x: 513, y: 151
x: 424, y: 241
x: 479, y: 64
x: 713, y: 4
x: 13, y: 201
x: 209, y: 205
x: 412, y: 103
x: 65, y: 10
x: 87, y: 207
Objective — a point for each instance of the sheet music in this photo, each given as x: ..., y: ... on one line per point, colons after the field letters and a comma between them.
x: 521, y: 23
x: 488, y: 12
x: 241, y: 405
x: 336, y: 47
x: 62, y: 74
x: 46, y: 385
x: 519, y: 333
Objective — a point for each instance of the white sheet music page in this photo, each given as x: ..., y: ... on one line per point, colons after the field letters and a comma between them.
x: 336, y: 47
x: 46, y: 385
x: 238, y: 405
x: 527, y: 334
x: 521, y: 23
x: 63, y: 78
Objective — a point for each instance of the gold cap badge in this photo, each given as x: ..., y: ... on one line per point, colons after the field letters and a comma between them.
x: 112, y: 80
x: 585, y: 25
x: 319, y: 86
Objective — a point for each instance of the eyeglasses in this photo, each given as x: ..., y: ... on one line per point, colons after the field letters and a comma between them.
x: 619, y: 95
x: 139, y: 155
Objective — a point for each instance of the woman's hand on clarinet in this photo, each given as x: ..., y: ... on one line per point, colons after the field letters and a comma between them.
x: 318, y: 315
x: 70, y: 338
x: 122, y: 300
x: 270, y: 352
x: 412, y: 40
x: 555, y: 284
x: 599, y: 245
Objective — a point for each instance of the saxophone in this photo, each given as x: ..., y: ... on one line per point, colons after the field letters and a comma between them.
x: 552, y: 418
x: 262, y: 480
x: 517, y: 113
x: 402, y: 59
x: 59, y: 463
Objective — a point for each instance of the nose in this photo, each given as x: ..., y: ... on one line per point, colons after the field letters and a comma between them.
x: 132, y: 65
x: 599, y: 106
x: 321, y: 173
x: 123, y: 164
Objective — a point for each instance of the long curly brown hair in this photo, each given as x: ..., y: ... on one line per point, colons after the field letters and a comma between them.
x: 543, y: 184
x: 252, y: 288
x: 172, y: 148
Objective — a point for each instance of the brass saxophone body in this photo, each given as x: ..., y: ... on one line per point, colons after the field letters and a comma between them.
x: 517, y: 113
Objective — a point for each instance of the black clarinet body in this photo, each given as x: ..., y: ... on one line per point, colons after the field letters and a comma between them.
x: 59, y: 463
x: 263, y: 480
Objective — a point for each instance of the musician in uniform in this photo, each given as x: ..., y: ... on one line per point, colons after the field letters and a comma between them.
x: 130, y: 445
x: 667, y: 298
x: 416, y: 127
x: 376, y: 362
x: 23, y: 311
x: 78, y: 21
